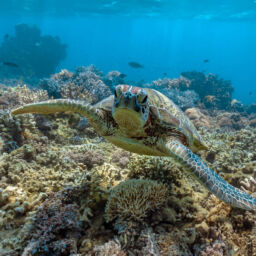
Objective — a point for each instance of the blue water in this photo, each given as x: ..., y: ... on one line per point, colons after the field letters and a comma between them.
x: 164, y: 36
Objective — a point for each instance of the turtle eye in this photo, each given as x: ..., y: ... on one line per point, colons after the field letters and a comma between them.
x: 118, y: 91
x: 142, y: 97
x: 145, y: 99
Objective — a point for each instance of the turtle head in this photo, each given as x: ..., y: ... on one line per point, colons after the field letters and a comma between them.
x: 131, y: 108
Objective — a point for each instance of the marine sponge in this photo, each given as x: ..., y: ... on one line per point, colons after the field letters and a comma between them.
x: 135, y: 199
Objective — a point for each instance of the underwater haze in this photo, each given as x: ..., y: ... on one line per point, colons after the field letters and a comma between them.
x: 166, y: 37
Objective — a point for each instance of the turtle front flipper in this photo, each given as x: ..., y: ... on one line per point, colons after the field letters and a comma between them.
x: 209, y: 178
x: 93, y: 115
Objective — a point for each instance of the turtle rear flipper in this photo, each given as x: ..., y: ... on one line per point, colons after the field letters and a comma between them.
x: 210, y: 179
x: 65, y: 105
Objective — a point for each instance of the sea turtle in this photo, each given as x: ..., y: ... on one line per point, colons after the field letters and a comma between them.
x: 146, y: 122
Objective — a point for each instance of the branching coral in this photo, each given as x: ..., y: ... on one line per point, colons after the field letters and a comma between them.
x: 20, y: 95
x: 184, y: 99
x: 135, y: 199
x: 213, y: 91
x: 85, y: 84
x: 211, y: 85
x: 161, y: 169
x: 89, y: 158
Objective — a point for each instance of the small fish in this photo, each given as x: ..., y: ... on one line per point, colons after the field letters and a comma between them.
x: 206, y: 61
x: 9, y: 64
x: 165, y: 74
x: 250, y: 93
x: 6, y: 36
x: 210, y: 98
x: 135, y: 64
x: 122, y: 75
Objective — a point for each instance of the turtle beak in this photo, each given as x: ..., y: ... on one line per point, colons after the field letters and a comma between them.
x: 128, y: 101
x: 126, y: 112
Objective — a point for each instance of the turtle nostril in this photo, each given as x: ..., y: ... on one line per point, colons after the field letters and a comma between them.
x: 137, y: 108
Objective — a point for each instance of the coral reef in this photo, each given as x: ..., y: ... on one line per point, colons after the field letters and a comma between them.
x: 114, y: 78
x: 15, y: 130
x: 59, y: 181
x: 213, y: 92
x: 249, y: 185
x: 184, y: 99
x: 35, y: 55
x: 110, y: 248
x: 121, y: 158
x: 135, y: 199
x: 85, y: 84
x: 198, y: 118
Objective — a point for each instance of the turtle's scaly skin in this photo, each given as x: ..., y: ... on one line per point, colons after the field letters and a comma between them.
x: 146, y: 122
x: 211, y: 179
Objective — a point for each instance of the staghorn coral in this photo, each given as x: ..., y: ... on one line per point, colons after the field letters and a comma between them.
x: 135, y: 199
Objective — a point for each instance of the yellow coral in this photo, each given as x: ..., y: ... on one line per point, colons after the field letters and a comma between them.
x: 135, y: 199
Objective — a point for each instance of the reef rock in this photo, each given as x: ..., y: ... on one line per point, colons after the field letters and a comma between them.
x: 198, y: 118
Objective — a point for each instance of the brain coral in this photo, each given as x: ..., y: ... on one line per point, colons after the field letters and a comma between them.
x: 135, y: 199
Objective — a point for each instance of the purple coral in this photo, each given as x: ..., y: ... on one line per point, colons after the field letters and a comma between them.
x: 56, y: 227
x: 217, y: 248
